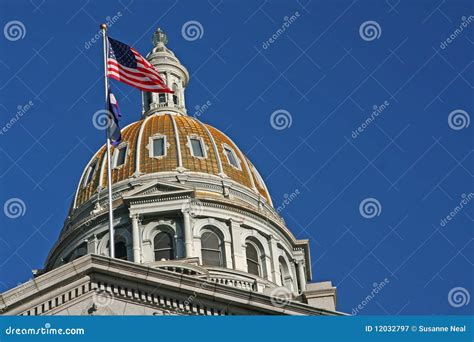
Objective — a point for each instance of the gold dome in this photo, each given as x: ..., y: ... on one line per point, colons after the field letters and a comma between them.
x: 177, y: 157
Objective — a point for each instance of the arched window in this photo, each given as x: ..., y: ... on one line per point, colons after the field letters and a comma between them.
x: 121, y: 250
x: 163, y: 246
x: 211, y: 249
x: 77, y: 253
x: 286, y: 279
x: 81, y: 250
x: 253, y: 259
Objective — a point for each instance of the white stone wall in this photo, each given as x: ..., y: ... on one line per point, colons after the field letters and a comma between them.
x: 236, y: 231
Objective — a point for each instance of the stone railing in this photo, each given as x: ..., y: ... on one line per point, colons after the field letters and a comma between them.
x: 240, y: 284
x: 238, y: 279
x: 180, y: 267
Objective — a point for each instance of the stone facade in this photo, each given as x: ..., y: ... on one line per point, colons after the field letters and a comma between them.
x: 99, y: 285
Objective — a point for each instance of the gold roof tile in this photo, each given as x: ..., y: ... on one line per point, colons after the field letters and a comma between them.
x: 162, y: 125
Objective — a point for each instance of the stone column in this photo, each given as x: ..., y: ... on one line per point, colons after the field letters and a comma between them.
x: 169, y: 97
x: 181, y: 96
x: 238, y: 255
x: 301, y: 275
x: 294, y: 275
x: 188, y: 235
x: 228, y: 252
x: 135, y: 239
x: 275, y: 263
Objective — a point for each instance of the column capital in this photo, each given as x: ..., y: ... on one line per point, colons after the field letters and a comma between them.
x: 273, y: 238
x: 234, y: 221
x: 136, y: 217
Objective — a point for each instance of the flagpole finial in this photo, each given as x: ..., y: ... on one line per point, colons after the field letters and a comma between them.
x: 103, y: 26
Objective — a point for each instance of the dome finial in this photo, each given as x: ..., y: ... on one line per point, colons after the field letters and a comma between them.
x: 159, y: 37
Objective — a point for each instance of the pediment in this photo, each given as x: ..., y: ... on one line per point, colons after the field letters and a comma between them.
x: 157, y: 188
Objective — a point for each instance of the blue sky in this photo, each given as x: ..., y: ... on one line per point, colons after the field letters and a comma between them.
x: 324, y: 74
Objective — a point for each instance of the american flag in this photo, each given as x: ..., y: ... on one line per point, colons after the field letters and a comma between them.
x: 126, y: 65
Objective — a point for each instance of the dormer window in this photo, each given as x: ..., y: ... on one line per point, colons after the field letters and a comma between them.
x: 157, y: 146
x: 196, y: 145
x: 90, y: 173
x: 232, y: 157
x: 119, y: 156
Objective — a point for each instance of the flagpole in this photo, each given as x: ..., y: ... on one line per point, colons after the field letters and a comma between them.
x: 103, y: 27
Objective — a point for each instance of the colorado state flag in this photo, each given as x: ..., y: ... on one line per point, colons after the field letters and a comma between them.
x: 114, y: 133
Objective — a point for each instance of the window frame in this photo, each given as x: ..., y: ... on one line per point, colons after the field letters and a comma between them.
x: 220, y: 248
x: 125, y: 246
x: 151, y: 146
x: 172, y: 249
x: 201, y: 142
x: 116, y: 154
x: 226, y: 148
x: 259, y: 258
x: 162, y: 96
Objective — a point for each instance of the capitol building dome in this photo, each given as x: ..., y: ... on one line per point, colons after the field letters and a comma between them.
x: 162, y: 144
x: 186, y: 200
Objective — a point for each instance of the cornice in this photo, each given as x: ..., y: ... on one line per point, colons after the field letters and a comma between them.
x: 118, y: 270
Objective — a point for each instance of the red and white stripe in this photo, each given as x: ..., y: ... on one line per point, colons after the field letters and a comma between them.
x: 145, y: 77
